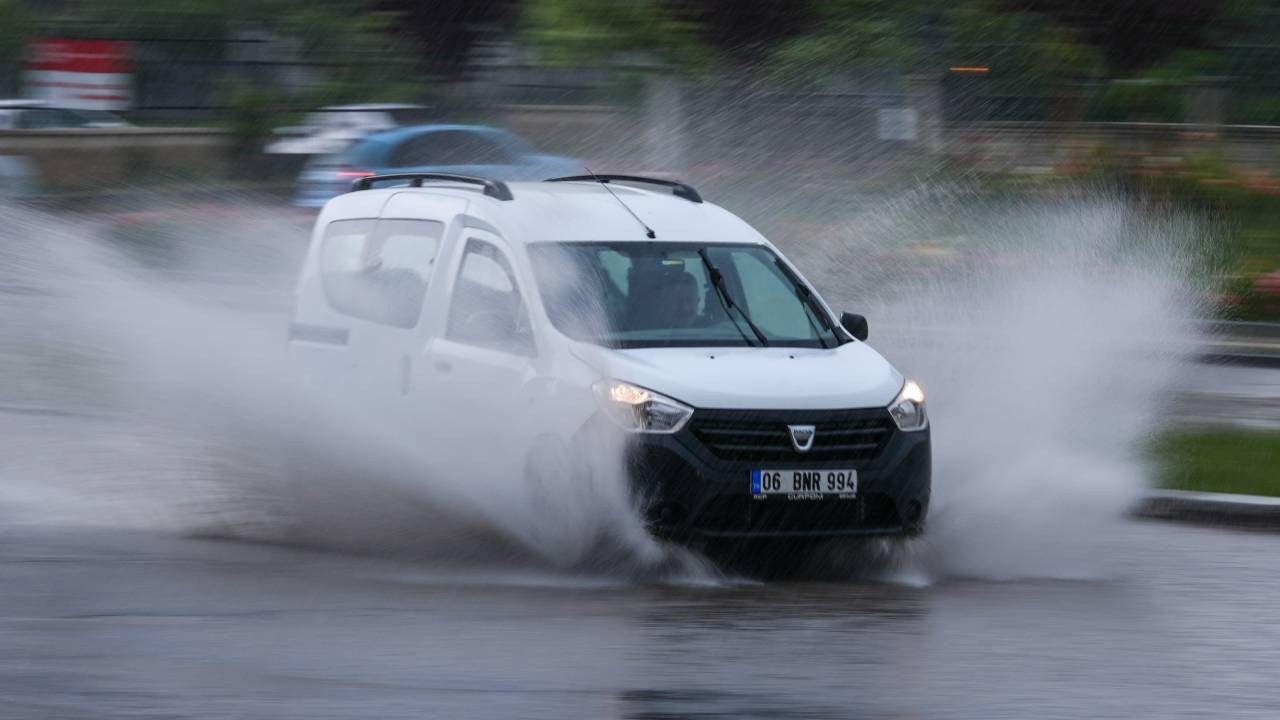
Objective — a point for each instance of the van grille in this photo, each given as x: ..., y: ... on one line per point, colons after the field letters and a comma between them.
x: 762, y: 435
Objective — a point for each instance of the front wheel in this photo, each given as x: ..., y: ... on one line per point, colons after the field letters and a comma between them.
x: 561, y: 495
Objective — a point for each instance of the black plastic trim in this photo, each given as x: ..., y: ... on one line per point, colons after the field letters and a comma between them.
x: 493, y: 188
x: 321, y: 334
x: 679, y: 189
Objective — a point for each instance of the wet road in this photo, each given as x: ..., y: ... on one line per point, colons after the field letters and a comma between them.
x: 114, y: 623
x: 110, y: 623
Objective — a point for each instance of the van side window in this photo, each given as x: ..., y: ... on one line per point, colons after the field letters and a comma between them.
x: 486, y: 308
x: 379, y: 270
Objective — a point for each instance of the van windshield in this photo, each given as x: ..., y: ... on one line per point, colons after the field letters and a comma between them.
x: 637, y: 294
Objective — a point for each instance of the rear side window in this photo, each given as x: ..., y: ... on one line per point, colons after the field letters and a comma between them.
x: 364, y: 154
x: 450, y: 147
x: 379, y: 270
x: 410, y: 116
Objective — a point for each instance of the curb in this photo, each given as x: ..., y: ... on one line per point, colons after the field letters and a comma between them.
x: 1263, y: 360
x: 1249, y: 511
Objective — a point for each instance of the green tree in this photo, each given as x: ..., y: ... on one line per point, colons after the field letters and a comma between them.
x: 13, y: 29
x: 356, y: 48
x: 594, y: 32
x: 860, y: 34
x: 917, y: 36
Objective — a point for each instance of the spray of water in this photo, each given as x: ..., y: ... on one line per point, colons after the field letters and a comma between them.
x: 1043, y: 333
x: 1048, y: 335
x: 190, y: 417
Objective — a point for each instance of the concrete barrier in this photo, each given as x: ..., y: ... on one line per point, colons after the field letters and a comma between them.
x: 74, y: 159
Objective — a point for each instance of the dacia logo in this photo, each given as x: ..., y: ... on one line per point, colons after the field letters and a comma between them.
x: 802, y: 437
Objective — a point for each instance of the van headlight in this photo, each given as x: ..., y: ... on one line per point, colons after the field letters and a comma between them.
x: 639, y: 410
x: 908, y: 408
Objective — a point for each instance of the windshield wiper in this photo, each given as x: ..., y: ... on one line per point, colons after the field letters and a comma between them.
x: 717, y: 281
x: 806, y: 298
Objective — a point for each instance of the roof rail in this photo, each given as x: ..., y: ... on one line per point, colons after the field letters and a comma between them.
x: 493, y: 188
x: 679, y: 189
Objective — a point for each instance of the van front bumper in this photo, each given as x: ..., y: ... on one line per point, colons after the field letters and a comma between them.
x: 695, y: 485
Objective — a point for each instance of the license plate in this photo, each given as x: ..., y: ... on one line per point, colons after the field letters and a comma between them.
x: 801, y: 484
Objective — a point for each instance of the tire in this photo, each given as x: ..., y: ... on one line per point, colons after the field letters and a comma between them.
x: 560, y: 498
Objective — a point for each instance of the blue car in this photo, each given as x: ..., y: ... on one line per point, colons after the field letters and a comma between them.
x: 462, y: 149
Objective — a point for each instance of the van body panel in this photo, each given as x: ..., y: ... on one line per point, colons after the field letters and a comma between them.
x: 850, y: 376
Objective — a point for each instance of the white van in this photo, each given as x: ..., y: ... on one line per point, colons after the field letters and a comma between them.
x: 535, y: 316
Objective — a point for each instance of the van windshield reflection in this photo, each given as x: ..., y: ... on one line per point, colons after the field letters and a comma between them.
x: 638, y: 294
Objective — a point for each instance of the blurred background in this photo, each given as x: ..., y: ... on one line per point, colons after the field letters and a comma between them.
x: 1171, y: 99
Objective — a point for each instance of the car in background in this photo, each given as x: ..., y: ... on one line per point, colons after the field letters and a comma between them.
x: 40, y: 115
x: 331, y: 129
x: 459, y: 149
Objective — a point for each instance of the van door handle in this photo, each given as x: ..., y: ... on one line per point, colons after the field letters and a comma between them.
x: 406, y: 373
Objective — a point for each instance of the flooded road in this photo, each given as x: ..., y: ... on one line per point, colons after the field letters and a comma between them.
x: 149, y: 398
x: 113, y: 623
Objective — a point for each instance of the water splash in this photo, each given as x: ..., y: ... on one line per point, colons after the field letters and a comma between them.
x: 177, y: 409
x: 1049, y: 336
x: 1046, y: 333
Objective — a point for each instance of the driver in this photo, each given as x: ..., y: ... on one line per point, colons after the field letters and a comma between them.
x: 679, y: 296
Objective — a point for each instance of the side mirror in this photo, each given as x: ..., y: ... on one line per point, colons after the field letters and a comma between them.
x: 855, y: 324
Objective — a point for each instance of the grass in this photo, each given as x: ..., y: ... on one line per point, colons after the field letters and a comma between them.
x: 1227, y: 461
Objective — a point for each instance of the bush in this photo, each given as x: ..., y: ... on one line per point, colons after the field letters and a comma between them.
x: 1255, y: 110
x: 1136, y: 101
x: 249, y: 117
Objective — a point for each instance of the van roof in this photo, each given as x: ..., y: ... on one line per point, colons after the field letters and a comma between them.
x: 569, y: 212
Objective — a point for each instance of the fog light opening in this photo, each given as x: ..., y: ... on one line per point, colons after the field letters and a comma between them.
x: 668, y: 513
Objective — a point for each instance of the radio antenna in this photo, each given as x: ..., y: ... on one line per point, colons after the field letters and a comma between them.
x: 648, y: 231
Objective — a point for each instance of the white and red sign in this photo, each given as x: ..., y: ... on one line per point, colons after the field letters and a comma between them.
x: 86, y: 74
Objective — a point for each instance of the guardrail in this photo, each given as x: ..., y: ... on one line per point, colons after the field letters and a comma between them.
x: 1007, y: 145
x: 1227, y: 342
x: 1136, y: 130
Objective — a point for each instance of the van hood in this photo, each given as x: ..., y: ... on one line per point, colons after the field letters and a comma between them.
x: 773, y: 378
